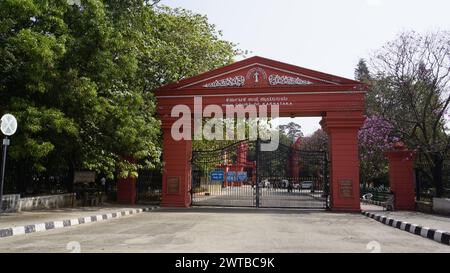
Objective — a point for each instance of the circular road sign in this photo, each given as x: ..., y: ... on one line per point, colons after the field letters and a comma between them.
x: 9, y: 125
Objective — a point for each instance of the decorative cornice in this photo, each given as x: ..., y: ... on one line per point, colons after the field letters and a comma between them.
x: 275, y: 79
x: 354, y: 122
x: 227, y: 82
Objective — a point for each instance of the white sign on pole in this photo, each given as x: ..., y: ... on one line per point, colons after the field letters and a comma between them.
x: 8, y: 125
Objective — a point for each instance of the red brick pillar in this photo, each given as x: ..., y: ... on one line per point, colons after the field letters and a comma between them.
x: 126, y: 187
x: 294, y: 161
x: 401, y: 177
x: 126, y: 191
x: 342, y: 129
x: 294, y: 165
x: 177, y: 169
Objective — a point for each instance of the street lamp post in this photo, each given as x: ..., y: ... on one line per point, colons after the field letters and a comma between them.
x: 8, y: 127
x: 5, y: 147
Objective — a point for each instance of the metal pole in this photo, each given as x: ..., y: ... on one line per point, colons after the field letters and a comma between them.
x: 327, y: 182
x: 257, y: 173
x: 5, y: 147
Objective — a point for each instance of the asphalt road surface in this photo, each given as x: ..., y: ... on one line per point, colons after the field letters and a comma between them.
x: 227, y: 230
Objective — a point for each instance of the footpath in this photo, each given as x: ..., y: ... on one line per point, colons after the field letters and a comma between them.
x: 434, y: 227
x: 20, y: 223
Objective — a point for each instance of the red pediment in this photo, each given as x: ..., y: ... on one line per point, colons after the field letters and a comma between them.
x: 258, y: 72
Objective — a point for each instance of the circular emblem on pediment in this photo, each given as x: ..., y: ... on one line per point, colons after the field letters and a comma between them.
x: 256, y: 75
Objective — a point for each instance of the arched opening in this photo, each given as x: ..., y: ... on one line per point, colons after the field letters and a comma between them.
x: 259, y: 83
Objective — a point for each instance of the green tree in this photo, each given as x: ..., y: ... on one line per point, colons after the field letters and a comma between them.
x: 79, y: 77
x: 362, y: 73
x: 292, y: 130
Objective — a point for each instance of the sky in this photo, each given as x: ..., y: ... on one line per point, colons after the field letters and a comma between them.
x: 325, y: 35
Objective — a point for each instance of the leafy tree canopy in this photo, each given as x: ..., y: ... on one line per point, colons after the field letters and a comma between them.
x: 79, y: 77
x: 410, y: 88
x: 292, y: 130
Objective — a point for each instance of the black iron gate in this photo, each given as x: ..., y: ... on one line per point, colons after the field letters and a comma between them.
x: 149, y: 187
x: 243, y: 175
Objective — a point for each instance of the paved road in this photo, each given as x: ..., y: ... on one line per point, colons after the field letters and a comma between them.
x: 227, y: 230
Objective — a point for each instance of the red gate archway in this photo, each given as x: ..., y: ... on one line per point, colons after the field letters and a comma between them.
x: 297, y: 91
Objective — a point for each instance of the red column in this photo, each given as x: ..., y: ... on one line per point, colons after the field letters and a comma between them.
x: 342, y: 129
x: 401, y: 178
x: 177, y: 169
x: 294, y: 160
x: 293, y: 165
x: 126, y: 187
x: 126, y: 191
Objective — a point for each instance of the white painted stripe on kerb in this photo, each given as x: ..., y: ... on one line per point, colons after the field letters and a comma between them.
x: 109, y: 216
x: 99, y: 218
x: 87, y: 219
x: 403, y: 225
x: 412, y: 228
x: 394, y: 224
x: 126, y: 212
x: 74, y: 222
x: 39, y: 227
x: 18, y: 230
x: 438, y: 235
x: 58, y: 224
x: 424, y: 231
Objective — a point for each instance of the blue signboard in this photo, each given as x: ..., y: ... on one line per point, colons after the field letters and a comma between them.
x: 231, y: 176
x: 242, y: 176
x: 217, y: 175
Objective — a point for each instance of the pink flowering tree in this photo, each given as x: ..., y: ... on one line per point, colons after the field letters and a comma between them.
x: 318, y: 141
x: 375, y: 137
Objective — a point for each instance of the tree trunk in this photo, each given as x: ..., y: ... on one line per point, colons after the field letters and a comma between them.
x: 437, y: 175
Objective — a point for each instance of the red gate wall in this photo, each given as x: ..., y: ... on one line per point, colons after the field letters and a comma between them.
x: 298, y: 91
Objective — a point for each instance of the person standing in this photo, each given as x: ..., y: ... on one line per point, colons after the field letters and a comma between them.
x: 103, y: 184
x: 103, y: 189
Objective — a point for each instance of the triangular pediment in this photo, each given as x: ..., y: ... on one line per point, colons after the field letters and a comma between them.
x: 258, y: 72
